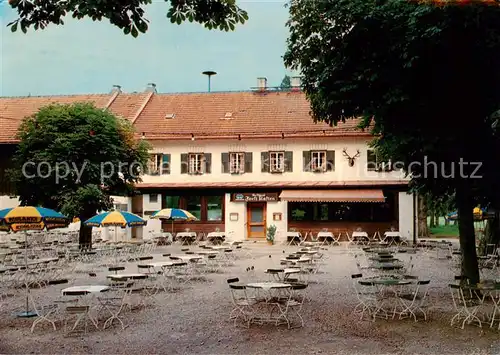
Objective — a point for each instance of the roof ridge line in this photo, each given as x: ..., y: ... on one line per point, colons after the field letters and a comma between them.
x: 142, y: 107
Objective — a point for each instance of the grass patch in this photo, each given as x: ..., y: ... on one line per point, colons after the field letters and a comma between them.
x: 444, y: 231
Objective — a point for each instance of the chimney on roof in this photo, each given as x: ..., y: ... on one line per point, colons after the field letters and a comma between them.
x: 262, y: 84
x: 295, y: 83
x: 116, y: 89
x: 151, y: 87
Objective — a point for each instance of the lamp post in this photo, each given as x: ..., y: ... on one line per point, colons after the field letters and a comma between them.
x: 209, y: 73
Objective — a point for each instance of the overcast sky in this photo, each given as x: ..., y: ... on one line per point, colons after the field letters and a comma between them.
x: 90, y: 57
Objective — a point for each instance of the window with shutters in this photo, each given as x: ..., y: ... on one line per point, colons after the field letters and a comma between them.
x: 318, y: 160
x: 276, y: 162
x: 159, y: 164
x: 236, y: 163
x: 196, y: 162
x: 154, y: 164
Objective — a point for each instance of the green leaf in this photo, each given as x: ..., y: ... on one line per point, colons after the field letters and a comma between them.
x: 13, y: 28
x: 134, y: 32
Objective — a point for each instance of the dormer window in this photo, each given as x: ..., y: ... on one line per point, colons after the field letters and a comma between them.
x: 170, y: 116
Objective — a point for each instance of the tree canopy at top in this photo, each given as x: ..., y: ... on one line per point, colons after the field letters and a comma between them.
x: 423, y: 75
x: 426, y: 77
x: 128, y: 15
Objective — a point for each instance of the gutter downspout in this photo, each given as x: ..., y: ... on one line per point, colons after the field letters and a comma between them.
x: 415, y: 207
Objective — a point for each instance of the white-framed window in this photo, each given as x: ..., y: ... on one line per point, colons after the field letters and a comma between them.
x: 318, y: 160
x: 375, y: 164
x: 236, y: 163
x: 154, y: 165
x: 153, y: 198
x: 276, y: 162
x: 121, y: 207
x: 196, y: 163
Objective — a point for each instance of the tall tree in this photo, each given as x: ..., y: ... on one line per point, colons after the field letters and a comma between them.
x: 286, y: 83
x: 73, y: 158
x: 423, y: 75
x: 128, y: 15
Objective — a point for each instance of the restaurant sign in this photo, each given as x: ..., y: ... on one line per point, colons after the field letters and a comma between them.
x: 255, y: 197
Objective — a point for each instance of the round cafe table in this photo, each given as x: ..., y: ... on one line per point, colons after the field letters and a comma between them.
x: 121, y: 277
x: 268, y: 307
x: 387, y: 266
x: 86, y: 289
x: 384, y: 260
x: 385, y: 282
x: 268, y: 285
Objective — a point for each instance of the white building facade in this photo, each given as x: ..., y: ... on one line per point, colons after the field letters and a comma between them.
x: 243, y: 161
x: 244, y: 186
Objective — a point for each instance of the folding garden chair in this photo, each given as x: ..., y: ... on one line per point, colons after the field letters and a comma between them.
x: 414, y: 303
x: 466, y: 305
x: 367, y: 298
x: 242, y: 303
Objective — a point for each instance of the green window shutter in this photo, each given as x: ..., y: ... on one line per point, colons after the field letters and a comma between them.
x: 208, y: 163
x: 330, y: 160
x: 289, y: 162
x: 306, y: 160
x: 184, y: 164
x: 165, y: 164
x: 264, y: 162
x: 248, y: 162
x: 224, y: 157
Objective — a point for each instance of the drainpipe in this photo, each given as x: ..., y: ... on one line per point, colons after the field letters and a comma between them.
x: 415, y: 219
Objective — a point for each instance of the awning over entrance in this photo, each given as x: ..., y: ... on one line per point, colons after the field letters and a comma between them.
x: 332, y: 196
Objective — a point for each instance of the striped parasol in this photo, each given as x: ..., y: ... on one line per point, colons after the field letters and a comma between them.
x: 26, y: 218
x: 174, y: 214
x: 115, y: 218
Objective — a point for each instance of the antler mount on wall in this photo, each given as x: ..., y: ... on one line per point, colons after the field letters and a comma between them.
x: 351, y: 160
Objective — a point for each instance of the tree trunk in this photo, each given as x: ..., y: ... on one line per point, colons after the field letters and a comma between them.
x: 465, y: 206
x: 446, y: 221
x: 432, y: 222
x: 423, y: 229
x: 85, y: 236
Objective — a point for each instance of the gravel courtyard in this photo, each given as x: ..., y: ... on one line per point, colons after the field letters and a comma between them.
x: 194, y: 320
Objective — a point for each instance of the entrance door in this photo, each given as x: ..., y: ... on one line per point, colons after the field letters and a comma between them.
x: 256, y: 217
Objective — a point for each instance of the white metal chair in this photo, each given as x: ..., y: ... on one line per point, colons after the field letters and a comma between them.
x: 367, y: 299
x: 465, y: 307
x: 414, y: 303
x: 242, y: 303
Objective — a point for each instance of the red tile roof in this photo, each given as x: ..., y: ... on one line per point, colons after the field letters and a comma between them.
x: 205, y: 115
x: 229, y: 114
x: 271, y: 184
x: 14, y: 109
